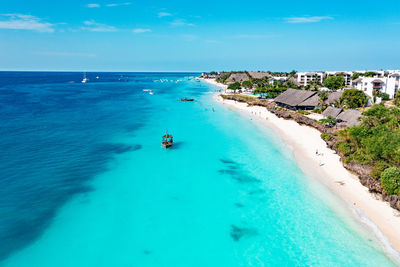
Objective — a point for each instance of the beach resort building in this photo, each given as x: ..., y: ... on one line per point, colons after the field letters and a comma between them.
x: 305, y: 78
x: 388, y: 85
x: 259, y: 75
x: 344, y: 118
x: 334, y: 98
x: 346, y: 75
x: 274, y: 79
x: 377, y: 73
x: 298, y: 99
x: 237, y: 77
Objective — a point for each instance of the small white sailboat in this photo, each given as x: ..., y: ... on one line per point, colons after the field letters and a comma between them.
x: 84, y: 80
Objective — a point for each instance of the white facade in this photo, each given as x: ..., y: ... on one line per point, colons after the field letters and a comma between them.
x: 388, y: 85
x: 346, y: 74
x: 277, y: 79
x: 305, y: 78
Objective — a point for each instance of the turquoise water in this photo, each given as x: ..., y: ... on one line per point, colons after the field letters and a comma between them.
x: 229, y: 193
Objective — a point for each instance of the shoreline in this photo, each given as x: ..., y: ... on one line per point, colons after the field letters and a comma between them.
x: 303, y: 141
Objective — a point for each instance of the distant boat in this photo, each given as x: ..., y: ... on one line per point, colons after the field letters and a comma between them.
x: 167, y: 141
x: 84, y: 80
x: 151, y: 92
x: 186, y: 99
x: 97, y: 77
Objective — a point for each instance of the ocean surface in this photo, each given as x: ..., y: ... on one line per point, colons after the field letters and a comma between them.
x: 84, y: 181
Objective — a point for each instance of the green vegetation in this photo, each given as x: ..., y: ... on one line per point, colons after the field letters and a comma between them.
x: 247, y: 84
x: 376, y: 142
x: 303, y: 112
x: 330, y: 121
x: 270, y: 92
x: 353, y: 98
x: 240, y: 98
x: 334, y: 82
x: 390, y: 180
x: 235, y: 86
x: 356, y: 76
x: 384, y: 96
x: 317, y: 110
x: 326, y: 137
x: 397, y: 100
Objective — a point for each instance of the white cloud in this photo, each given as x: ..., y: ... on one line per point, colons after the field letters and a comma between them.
x: 307, y: 19
x: 93, y: 26
x: 119, y: 4
x: 25, y: 22
x: 181, y: 22
x: 93, y: 5
x: 164, y: 14
x: 141, y: 30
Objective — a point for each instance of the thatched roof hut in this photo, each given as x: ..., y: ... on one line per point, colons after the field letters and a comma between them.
x: 292, y: 98
x: 332, y: 112
x: 310, y: 102
x: 350, y: 117
x: 334, y: 97
x: 237, y: 77
x: 259, y: 75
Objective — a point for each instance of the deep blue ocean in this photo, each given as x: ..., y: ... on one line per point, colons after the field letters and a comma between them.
x: 84, y: 180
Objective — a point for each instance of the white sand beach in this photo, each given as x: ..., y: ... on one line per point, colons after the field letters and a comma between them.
x: 305, y: 141
x: 327, y: 168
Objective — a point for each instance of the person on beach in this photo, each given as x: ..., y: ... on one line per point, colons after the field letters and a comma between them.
x: 316, y: 152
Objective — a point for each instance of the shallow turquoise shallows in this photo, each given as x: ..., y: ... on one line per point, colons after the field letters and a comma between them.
x: 229, y: 193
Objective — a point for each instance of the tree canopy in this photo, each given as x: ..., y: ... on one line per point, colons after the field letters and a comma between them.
x: 334, y: 82
x: 390, y: 180
x: 353, y: 98
x: 235, y: 86
x: 376, y: 142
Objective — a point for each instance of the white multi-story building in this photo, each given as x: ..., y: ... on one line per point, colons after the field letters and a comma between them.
x: 378, y: 73
x: 277, y: 79
x: 346, y: 75
x: 305, y: 78
x: 388, y: 85
x: 391, y: 72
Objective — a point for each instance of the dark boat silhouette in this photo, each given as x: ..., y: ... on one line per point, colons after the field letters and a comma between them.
x: 167, y: 141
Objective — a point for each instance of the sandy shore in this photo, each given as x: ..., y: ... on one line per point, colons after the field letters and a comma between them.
x: 326, y: 167
x: 214, y: 82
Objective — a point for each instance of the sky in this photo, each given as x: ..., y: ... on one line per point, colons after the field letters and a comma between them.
x: 124, y: 35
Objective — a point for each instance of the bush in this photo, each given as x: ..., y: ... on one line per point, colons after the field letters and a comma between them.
x: 247, y: 84
x: 353, y: 98
x: 384, y: 96
x: 303, y: 112
x: 235, y: 86
x: 344, y: 148
x: 334, y: 82
x: 326, y: 137
x: 380, y: 166
x: 328, y: 121
x: 390, y: 180
x: 317, y: 110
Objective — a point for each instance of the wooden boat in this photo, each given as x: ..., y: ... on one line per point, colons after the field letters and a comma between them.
x: 167, y: 141
x: 186, y: 99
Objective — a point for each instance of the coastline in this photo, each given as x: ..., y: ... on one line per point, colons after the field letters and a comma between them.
x: 304, y: 141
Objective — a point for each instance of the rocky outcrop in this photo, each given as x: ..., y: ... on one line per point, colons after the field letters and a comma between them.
x: 362, y: 171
